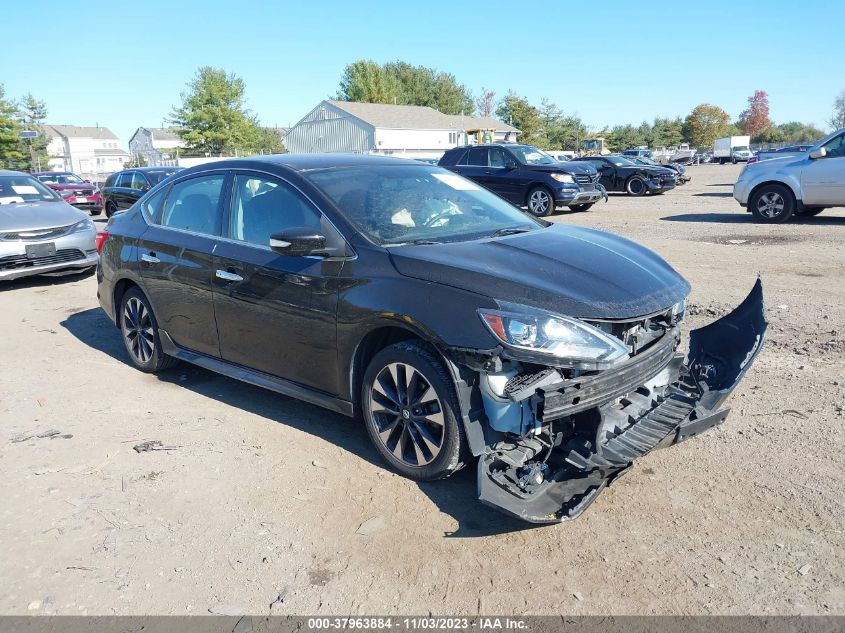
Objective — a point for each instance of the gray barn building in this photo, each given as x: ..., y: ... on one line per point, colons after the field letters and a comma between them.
x: 378, y: 128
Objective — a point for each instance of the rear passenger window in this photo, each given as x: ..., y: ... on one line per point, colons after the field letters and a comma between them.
x: 477, y: 156
x: 138, y: 181
x: 124, y: 179
x: 154, y: 205
x: 194, y: 205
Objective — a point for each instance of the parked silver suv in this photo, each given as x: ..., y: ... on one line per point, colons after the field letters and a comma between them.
x: 801, y: 184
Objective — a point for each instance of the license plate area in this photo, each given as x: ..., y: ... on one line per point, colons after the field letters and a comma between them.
x: 81, y: 199
x: 34, y: 251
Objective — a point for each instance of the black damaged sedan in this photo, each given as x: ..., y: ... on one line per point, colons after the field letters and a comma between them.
x: 460, y: 329
x: 617, y: 173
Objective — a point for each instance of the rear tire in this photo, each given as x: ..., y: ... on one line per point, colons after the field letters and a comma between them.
x: 540, y: 201
x: 772, y: 204
x: 581, y: 207
x: 139, y: 330
x: 636, y: 186
x: 411, y: 412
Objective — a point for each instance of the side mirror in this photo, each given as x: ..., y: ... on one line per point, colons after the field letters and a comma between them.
x: 298, y: 241
x: 818, y: 153
x: 509, y: 164
x: 88, y: 181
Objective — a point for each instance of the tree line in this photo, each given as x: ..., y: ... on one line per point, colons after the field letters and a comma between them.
x: 212, y: 117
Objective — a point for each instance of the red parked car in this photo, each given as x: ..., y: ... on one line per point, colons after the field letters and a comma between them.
x: 73, y: 189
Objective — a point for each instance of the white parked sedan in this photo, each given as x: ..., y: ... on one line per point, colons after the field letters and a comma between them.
x: 41, y: 234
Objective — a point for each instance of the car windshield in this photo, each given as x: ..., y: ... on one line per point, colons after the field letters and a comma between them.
x: 14, y: 189
x: 397, y: 204
x: 61, y: 179
x: 741, y: 148
x: 530, y: 155
x: 156, y: 177
x: 619, y: 161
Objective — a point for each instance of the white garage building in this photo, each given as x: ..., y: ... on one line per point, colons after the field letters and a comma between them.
x: 378, y: 128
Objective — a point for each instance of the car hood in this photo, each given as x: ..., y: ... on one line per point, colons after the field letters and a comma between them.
x: 569, y: 270
x: 23, y: 216
x: 65, y: 187
x: 569, y: 167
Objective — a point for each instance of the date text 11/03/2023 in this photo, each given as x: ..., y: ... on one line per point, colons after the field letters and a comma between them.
x: 416, y: 623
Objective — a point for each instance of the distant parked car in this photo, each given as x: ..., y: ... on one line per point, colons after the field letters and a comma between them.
x: 681, y: 176
x: 793, y: 150
x: 73, y: 189
x: 804, y: 184
x: 527, y: 176
x: 123, y: 188
x: 560, y: 156
x: 637, y: 152
x: 41, y: 234
x: 617, y: 173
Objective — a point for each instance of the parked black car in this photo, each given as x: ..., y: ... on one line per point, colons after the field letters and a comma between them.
x: 526, y: 176
x: 457, y: 325
x: 124, y: 188
x: 681, y: 175
x: 617, y: 173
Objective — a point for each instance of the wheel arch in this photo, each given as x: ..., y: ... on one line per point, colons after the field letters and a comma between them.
x: 371, y: 344
x: 782, y: 183
x: 120, y: 289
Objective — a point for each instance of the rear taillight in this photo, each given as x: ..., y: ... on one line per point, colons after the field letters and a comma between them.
x: 101, y: 238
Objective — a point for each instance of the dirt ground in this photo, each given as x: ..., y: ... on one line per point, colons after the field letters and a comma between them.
x: 257, y: 506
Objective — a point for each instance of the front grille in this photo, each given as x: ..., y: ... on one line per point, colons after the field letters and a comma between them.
x: 64, y: 256
x: 584, y: 179
x: 35, y: 234
x: 83, y: 192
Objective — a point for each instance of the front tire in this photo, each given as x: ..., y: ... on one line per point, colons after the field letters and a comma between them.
x: 636, y: 186
x: 772, y: 204
x: 541, y: 202
x: 139, y: 330
x: 411, y: 412
x: 581, y: 207
x: 111, y: 209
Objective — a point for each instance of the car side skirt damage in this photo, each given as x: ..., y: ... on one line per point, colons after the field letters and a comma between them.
x: 552, y: 442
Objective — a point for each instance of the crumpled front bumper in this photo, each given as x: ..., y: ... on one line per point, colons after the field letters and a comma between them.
x: 658, y: 399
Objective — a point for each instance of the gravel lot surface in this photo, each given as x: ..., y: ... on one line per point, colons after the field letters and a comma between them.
x: 261, y: 504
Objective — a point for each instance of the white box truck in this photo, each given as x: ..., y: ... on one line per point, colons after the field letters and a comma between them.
x: 732, y: 148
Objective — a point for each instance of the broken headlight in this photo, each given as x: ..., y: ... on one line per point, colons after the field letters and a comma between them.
x: 571, y: 342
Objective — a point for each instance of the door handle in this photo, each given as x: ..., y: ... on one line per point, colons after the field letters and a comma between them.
x: 225, y: 275
x: 150, y: 258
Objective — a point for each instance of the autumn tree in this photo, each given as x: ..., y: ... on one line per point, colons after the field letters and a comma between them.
x: 837, y: 121
x: 755, y: 119
x: 705, y: 124
x: 485, y: 103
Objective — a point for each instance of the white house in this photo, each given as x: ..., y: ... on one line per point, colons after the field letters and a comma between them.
x: 154, y: 144
x: 378, y: 128
x: 90, y: 152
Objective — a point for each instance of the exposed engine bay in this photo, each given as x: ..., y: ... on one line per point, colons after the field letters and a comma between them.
x: 557, y: 435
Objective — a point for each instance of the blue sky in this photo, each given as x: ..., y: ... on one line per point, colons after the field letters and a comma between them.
x: 123, y: 64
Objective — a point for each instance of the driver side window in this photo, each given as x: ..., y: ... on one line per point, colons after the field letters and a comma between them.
x: 262, y: 207
x: 835, y: 148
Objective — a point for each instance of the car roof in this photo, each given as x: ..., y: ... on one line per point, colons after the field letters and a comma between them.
x: 306, y: 162
x: 12, y: 172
